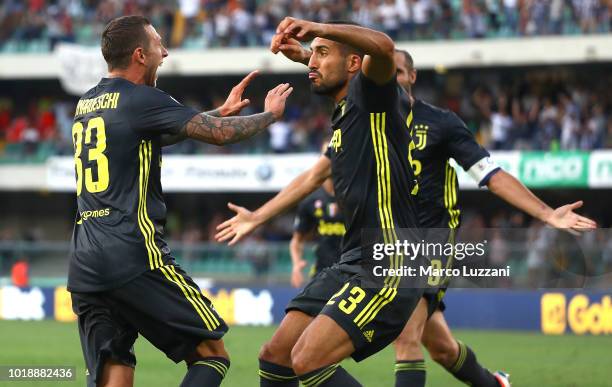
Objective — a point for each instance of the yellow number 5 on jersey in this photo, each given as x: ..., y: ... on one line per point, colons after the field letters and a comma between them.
x: 94, y: 154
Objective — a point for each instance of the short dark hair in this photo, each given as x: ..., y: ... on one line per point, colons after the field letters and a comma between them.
x: 346, y: 49
x: 407, y: 57
x: 121, y: 37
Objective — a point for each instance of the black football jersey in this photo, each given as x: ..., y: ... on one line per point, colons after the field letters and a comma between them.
x: 119, y: 226
x: 437, y: 136
x: 371, y: 171
x: 321, y: 213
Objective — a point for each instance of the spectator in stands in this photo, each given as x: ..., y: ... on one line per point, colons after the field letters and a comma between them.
x: 501, y: 125
x: 539, y: 242
x: 511, y: 14
x: 20, y: 273
x: 445, y: 19
x: 254, y: 250
x: 223, y: 26
x: 242, y: 25
x: 196, y: 23
x: 421, y: 11
x: 479, y: 29
x: 59, y: 27
x: 557, y: 7
x: 365, y: 13
x: 265, y: 25
x: 538, y: 17
x: 14, y: 132
x: 587, y: 11
x: 190, y: 238
x: 593, y: 129
x: 389, y: 18
x: 280, y: 136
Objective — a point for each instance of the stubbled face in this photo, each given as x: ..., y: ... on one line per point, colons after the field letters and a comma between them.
x: 328, y: 67
x: 406, y: 76
x: 154, y: 56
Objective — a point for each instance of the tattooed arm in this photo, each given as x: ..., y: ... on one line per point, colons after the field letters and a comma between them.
x: 228, y: 130
x: 214, y: 113
x: 171, y: 139
x: 217, y: 130
x: 225, y: 130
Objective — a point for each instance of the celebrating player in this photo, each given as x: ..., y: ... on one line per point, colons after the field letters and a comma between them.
x: 439, y: 135
x: 122, y: 277
x: 335, y: 316
x: 430, y: 159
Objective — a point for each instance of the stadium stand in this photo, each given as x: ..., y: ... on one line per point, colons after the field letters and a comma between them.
x: 565, y: 108
x: 39, y: 25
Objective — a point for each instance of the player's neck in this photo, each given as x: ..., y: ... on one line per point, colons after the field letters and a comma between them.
x: 129, y: 74
x: 341, y: 93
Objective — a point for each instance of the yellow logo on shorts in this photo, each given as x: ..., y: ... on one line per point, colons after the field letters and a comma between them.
x: 368, y: 335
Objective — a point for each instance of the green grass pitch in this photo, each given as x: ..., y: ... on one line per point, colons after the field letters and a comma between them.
x: 532, y: 359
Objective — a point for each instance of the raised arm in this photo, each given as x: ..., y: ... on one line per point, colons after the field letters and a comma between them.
x: 245, y: 221
x: 514, y: 192
x: 378, y: 64
x: 228, y: 130
x: 231, y: 107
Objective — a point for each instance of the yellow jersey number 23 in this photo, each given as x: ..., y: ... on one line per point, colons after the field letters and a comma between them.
x: 94, y: 154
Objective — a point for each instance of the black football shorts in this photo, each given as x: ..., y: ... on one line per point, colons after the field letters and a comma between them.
x: 164, y: 305
x: 372, y: 313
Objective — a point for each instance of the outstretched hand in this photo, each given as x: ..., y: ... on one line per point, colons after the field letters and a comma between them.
x: 234, y: 229
x: 564, y: 217
x: 234, y: 102
x: 276, y: 99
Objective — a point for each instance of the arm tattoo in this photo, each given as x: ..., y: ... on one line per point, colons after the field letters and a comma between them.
x: 226, y: 130
x: 171, y: 139
x: 214, y: 113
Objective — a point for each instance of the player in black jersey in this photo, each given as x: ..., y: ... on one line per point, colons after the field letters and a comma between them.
x: 336, y: 315
x: 318, y: 214
x: 122, y: 277
x: 454, y: 356
x: 439, y: 135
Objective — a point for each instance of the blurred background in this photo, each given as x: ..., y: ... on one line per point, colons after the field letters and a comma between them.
x: 531, y: 78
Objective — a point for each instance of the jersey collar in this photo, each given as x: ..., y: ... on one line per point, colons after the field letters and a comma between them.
x: 339, y: 110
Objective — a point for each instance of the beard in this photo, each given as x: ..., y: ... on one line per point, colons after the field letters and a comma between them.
x: 328, y: 89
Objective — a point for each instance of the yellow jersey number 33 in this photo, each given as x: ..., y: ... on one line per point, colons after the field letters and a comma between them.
x: 83, y: 135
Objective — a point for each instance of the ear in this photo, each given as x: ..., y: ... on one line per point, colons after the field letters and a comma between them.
x: 138, y: 56
x: 413, y: 77
x: 353, y: 63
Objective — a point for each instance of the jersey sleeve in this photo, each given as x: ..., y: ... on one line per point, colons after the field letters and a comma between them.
x: 327, y: 152
x: 462, y: 147
x: 372, y: 97
x: 304, y: 220
x: 155, y: 111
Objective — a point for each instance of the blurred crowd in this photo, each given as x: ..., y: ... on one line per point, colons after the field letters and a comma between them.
x: 538, y: 109
x: 40, y: 24
x: 571, y: 119
x: 539, y: 256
